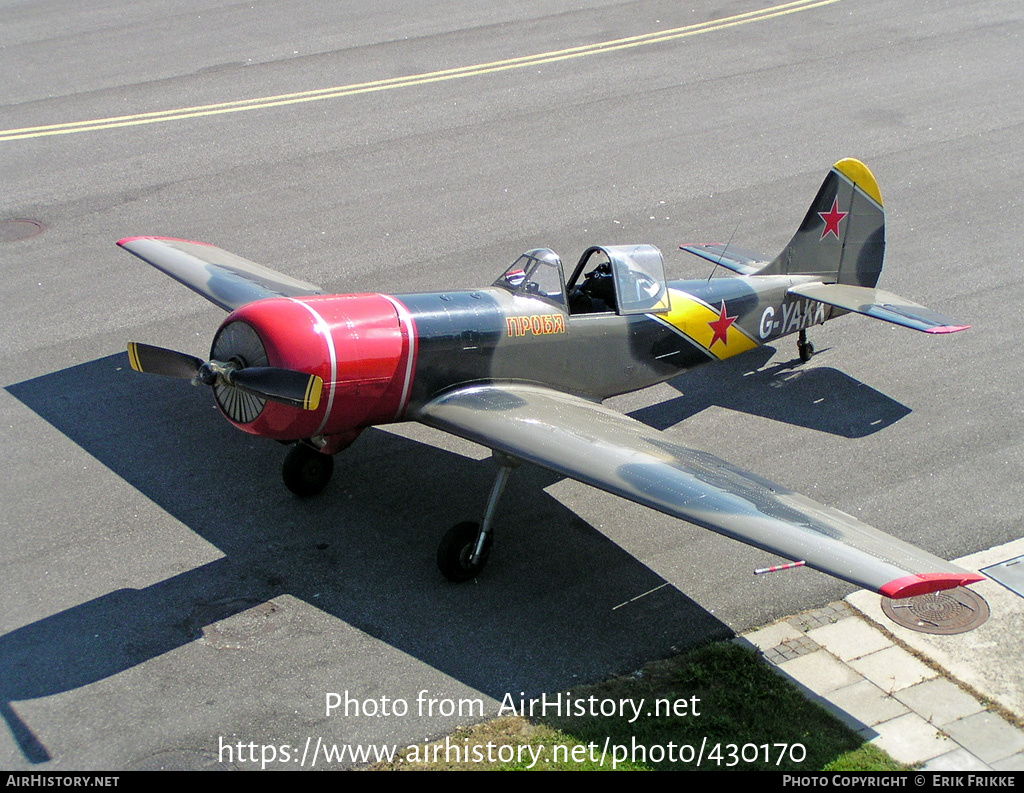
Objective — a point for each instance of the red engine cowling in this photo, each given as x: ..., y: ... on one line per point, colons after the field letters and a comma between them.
x: 362, y: 346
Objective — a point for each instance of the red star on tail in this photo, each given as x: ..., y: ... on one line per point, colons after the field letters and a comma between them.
x: 721, y: 327
x: 832, y: 219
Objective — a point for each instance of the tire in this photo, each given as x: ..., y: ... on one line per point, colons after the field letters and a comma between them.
x: 806, y: 351
x: 306, y: 472
x: 455, y: 549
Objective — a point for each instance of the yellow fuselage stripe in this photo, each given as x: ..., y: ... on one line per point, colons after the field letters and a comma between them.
x: 693, y: 318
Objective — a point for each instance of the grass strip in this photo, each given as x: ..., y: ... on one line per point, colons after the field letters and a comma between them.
x: 727, y: 710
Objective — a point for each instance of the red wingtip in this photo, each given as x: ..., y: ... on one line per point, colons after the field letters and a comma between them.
x: 126, y: 240
x: 924, y: 583
x: 947, y: 328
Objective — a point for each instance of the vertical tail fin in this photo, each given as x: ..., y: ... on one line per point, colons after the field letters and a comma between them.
x: 842, y: 238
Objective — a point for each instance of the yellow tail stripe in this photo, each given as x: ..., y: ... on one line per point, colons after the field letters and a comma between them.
x: 858, y: 173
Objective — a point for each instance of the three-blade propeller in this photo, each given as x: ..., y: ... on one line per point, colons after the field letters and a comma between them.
x: 278, y: 385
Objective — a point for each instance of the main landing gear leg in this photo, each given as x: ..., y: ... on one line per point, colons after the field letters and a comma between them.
x: 306, y: 471
x: 804, y: 347
x: 465, y: 547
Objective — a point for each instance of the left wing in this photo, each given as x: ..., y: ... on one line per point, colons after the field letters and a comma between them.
x: 224, y: 278
x: 615, y: 453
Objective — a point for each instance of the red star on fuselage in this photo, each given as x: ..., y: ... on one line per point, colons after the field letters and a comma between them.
x: 832, y: 219
x: 721, y: 327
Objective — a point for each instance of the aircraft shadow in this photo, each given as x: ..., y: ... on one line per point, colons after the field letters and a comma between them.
x: 814, y: 397
x: 362, y: 552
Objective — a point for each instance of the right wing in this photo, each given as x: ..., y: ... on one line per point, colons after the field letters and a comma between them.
x: 223, y: 278
x: 603, y: 448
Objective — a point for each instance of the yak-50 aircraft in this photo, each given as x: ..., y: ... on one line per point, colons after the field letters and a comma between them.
x: 522, y: 367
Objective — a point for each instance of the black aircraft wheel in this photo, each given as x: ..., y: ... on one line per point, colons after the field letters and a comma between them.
x: 306, y: 472
x: 455, y: 549
x: 806, y: 351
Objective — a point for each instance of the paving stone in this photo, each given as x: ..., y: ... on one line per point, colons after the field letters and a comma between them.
x: 790, y: 649
x: 893, y: 669
x: 867, y: 703
x: 957, y: 760
x: 821, y: 672
x: 986, y: 735
x: 910, y: 739
x: 1014, y: 763
x: 849, y: 639
x: 766, y: 638
x: 939, y: 701
x: 818, y: 618
x: 886, y: 694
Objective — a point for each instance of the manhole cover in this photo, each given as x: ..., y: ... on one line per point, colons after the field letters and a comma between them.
x: 14, y: 230
x: 950, y: 611
x: 237, y: 623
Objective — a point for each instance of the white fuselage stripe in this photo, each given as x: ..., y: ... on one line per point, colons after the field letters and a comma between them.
x: 324, y: 328
x: 410, y: 331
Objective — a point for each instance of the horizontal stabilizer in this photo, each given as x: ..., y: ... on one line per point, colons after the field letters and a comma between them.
x: 227, y: 280
x: 879, y: 304
x: 736, y: 259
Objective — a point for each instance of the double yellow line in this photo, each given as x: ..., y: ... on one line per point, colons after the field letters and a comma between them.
x: 415, y: 79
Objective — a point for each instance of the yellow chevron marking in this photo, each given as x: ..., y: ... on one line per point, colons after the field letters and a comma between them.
x: 334, y: 92
x: 692, y: 318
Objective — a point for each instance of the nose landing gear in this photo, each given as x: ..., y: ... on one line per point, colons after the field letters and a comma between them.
x: 306, y: 471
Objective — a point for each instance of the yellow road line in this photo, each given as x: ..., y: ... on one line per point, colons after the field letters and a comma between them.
x: 415, y: 79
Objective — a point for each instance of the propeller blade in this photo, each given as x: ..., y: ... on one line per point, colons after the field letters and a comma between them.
x: 269, y: 382
x: 158, y: 360
x: 281, y: 385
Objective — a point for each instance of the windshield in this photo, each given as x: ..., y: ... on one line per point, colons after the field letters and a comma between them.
x: 537, y: 273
